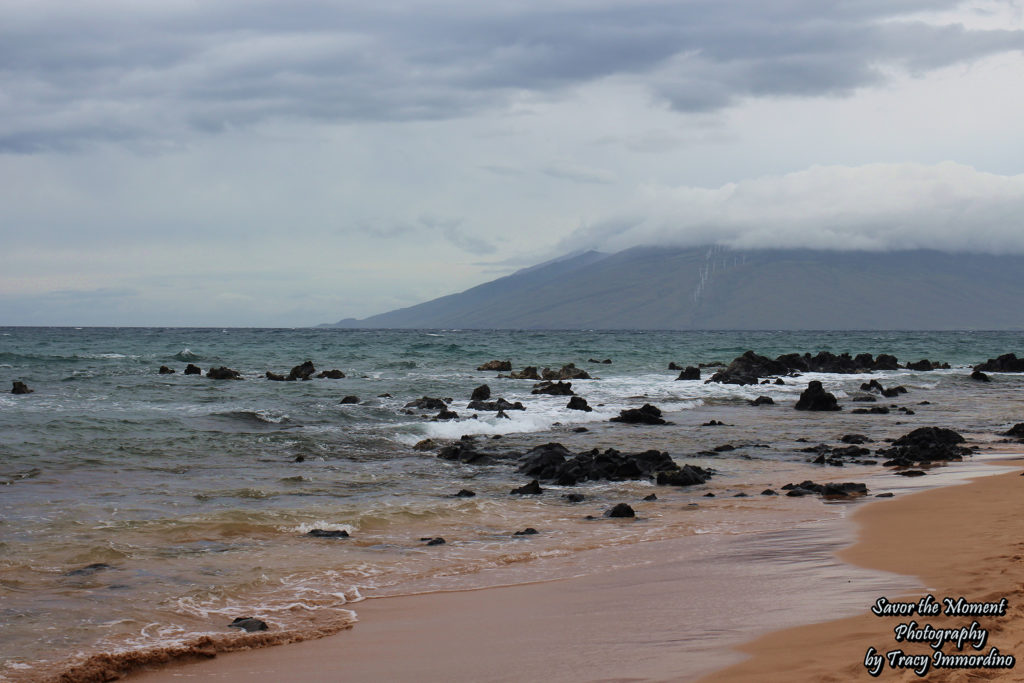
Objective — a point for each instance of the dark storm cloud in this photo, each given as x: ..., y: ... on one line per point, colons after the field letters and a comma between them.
x: 73, y: 72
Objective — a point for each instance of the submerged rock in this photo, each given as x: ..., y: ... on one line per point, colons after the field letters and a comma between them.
x: 331, y: 374
x: 349, y: 400
x: 832, y: 489
x: 328, y: 533
x: 762, y: 401
x: 427, y: 403
x: 191, y: 369
x: 20, y: 388
x: 646, y: 414
x: 164, y: 370
x: 620, y: 510
x: 531, y: 489
x: 223, y: 373
x: 89, y: 569
x: 979, y: 376
x: 249, y: 624
x: 495, y: 406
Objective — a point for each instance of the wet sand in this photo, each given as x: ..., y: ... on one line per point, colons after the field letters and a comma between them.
x: 962, y: 541
x: 682, y: 609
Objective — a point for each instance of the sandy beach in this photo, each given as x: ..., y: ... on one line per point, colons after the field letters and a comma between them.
x: 962, y: 541
x: 669, y: 613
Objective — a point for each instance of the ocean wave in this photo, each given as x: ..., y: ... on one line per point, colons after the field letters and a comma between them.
x: 186, y: 354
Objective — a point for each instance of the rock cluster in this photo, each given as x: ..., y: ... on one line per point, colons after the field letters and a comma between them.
x: 1007, y: 362
x: 925, y: 444
x: 554, y: 462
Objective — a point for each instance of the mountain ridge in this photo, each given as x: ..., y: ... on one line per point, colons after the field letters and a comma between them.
x: 712, y: 287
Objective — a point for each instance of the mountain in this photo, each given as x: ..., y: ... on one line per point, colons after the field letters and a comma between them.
x: 715, y: 288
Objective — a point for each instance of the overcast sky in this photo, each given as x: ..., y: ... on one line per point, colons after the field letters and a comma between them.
x: 284, y: 164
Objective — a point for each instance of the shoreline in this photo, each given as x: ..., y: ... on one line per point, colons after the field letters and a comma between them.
x: 641, y: 621
x: 961, y: 541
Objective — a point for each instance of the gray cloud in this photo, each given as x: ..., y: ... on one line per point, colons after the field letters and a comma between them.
x: 91, y: 71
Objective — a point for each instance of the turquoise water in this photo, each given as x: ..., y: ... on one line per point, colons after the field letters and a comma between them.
x: 195, y: 494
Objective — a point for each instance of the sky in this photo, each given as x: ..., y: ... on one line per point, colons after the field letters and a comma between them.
x: 256, y: 163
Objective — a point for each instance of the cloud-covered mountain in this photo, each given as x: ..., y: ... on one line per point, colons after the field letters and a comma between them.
x: 721, y: 288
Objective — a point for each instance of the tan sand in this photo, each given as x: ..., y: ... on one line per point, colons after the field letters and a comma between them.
x: 962, y: 541
x: 649, y: 622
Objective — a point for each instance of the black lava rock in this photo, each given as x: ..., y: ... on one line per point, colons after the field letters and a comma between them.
x: 531, y: 489
x: 815, y: 397
x: 646, y: 414
x: 427, y: 403
x: 20, y: 388
x: 689, y: 373
x: 223, y: 373
x: 579, y: 403
x: 620, y: 510
x: 554, y: 388
x: 328, y: 533
x: 249, y: 624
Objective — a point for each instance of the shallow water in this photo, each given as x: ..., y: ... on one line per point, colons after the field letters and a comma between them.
x: 187, y: 493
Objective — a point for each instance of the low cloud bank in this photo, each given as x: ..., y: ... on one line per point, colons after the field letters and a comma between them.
x: 877, y: 207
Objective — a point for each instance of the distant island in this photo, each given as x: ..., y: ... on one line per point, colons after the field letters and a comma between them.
x: 716, y: 288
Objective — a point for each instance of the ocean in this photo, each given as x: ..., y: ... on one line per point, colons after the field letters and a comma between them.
x: 141, y: 510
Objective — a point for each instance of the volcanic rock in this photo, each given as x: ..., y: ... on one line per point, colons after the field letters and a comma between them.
x: 689, y: 373
x: 816, y: 398
x: 579, y: 403
x: 427, y: 403
x: 20, y: 388
x: 646, y: 414
x: 554, y: 388
x: 1008, y: 362
x: 223, y: 373
x: 248, y: 624
x: 499, y: 365
x: 620, y: 510
x: 303, y: 372
x: 531, y: 489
